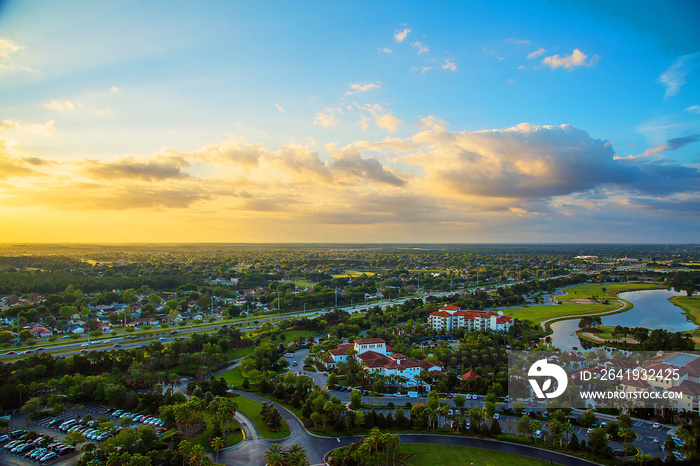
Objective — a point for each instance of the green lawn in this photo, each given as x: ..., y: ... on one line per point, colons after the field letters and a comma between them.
x: 251, y: 409
x: 595, y: 289
x: 444, y: 455
x: 539, y: 313
x: 233, y: 377
x: 691, y: 306
x: 204, y: 440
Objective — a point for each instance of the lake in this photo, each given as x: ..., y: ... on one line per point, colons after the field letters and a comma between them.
x: 652, y: 309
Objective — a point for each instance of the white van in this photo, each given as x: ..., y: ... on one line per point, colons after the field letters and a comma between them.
x: 68, y: 424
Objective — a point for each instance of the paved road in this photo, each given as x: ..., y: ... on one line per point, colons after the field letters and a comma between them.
x: 252, y: 451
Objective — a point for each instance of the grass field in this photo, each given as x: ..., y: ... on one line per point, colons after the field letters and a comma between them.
x: 251, y: 409
x: 444, y: 455
x: 691, y: 306
x: 233, y: 377
x: 539, y: 313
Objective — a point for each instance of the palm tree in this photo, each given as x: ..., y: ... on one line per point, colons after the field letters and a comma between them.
x: 295, y: 455
x: 217, y: 444
x: 274, y: 456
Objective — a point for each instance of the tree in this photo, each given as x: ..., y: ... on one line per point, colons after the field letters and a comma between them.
x: 523, y: 426
x: 217, y: 444
x: 355, y: 399
x: 31, y: 406
x: 295, y: 455
x: 588, y: 418
x: 598, y: 441
x: 74, y: 438
x: 627, y: 436
x: 274, y: 456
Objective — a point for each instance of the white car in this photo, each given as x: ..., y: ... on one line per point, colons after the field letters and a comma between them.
x: 496, y: 416
x: 657, y: 425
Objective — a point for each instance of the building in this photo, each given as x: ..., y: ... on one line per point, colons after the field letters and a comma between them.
x: 451, y: 317
x: 40, y: 332
x: 375, y: 355
x: 685, y: 368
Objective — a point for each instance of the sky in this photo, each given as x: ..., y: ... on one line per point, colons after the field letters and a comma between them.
x: 350, y: 122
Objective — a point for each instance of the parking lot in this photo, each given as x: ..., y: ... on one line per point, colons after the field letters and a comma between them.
x: 95, y: 422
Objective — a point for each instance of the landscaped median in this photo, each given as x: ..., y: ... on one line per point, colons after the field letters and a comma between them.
x: 251, y: 409
x: 203, y: 438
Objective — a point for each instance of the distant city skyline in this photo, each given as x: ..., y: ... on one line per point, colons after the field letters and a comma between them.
x: 353, y: 122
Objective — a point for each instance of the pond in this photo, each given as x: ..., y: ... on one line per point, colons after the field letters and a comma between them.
x: 652, y: 309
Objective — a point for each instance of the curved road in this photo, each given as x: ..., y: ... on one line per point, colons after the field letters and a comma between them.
x: 251, y: 451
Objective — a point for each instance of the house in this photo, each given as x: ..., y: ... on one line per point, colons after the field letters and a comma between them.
x: 451, y: 317
x: 75, y: 328
x: 40, y: 332
x: 105, y: 328
x: 147, y: 321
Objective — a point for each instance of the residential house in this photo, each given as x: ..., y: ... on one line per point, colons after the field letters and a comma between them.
x: 40, y: 332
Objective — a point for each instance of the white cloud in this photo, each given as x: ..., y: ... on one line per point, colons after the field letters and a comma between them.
x: 279, y: 107
x: 8, y: 48
x: 422, y: 69
x: 37, y: 128
x: 326, y: 119
x: 674, y: 77
x: 647, y: 153
x: 693, y: 109
x: 63, y: 106
x: 535, y: 54
x: 422, y: 48
x: 400, y: 35
x: 434, y: 123
x: 384, y: 49
x: 381, y: 116
x: 46, y: 128
x: 521, y: 67
x: 569, y: 62
x: 363, y: 87
x: 114, y: 89
x: 449, y: 64
x: 9, y: 124
x: 388, y: 122
x: 519, y: 41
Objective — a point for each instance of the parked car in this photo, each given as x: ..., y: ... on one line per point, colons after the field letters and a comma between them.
x: 49, y: 456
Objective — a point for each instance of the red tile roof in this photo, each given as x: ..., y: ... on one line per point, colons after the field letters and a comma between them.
x: 450, y: 307
x: 365, y: 341
x: 687, y: 387
x: 469, y: 375
x: 342, y: 349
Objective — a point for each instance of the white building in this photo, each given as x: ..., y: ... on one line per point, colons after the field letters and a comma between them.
x: 452, y: 317
x: 374, y: 354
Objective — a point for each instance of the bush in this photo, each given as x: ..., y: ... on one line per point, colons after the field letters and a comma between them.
x: 514, y: 439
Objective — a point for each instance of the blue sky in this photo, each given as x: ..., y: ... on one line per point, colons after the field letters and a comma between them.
x: 530, y: 121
